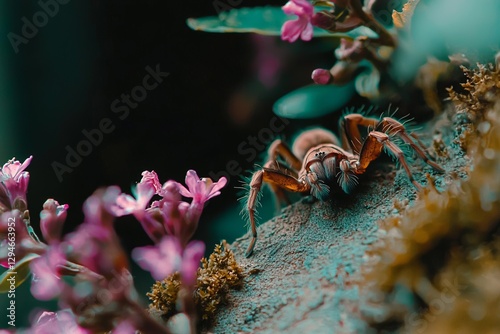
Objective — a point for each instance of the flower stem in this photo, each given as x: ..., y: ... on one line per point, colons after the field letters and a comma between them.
x: 384, y: 36
x: 142, y: 321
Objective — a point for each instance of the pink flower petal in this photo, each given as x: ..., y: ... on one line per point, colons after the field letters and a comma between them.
x: 151, y: 178
x: 291, y: 30
x: 307, y: 32
x: 45, y: 268
x: 160, y: 260
x: 191, y: 261
x: 192, y: 180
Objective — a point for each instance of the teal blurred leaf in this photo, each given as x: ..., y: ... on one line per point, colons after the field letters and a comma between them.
x: 443, y: 27
x: 261, y: 20
x: 313, y: 101
x: 21, y: 272
x: 367, y: 82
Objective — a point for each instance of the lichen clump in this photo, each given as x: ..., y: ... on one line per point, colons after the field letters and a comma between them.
x: 482, y: 91
x: 445, y: 248
x: 217, y: 275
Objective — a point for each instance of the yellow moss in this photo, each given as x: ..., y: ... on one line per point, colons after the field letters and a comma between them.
x: 163, y: 295
x: 448, y: 234
x: 217, y: 275
x: 481, y: 93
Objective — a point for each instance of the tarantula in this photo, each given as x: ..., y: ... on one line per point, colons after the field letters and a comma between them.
x: 317, y: 160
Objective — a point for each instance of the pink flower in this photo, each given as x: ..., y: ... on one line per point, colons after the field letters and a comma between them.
x: 98, y: 207
x: 351, y: 50
x: 12, y: 222
x: 151, y: 178
x: 14, y: 180
x: 201, y: 190
x: 52, y: 218
x: 191, y: 261
x: 95, y: 244
x: 97, y: 248
x: 301, y: 27
x: 168, y: 257
x: 126, y: 204
x: 160, y: 260
x: 170, y: 191
x: 124, y: 327
x: 62, y: 322
x: 47, y: 283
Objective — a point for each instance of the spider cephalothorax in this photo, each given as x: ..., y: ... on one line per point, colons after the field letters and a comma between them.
x: 317, y: 162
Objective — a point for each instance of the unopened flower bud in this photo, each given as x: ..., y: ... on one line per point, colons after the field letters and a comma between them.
x: 321, y: 76
x: 52, y: 218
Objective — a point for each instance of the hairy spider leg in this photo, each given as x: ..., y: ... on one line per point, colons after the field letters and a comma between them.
x: 394, y: 128
x: 275, y: 177
x: 388, y: 125
x: 279, y: 178
x: 372, y: 148
x: 349, y: 130
x: 279, y: 149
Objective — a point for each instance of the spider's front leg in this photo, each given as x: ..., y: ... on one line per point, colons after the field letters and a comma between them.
x: 280, y: 178
x: 388, y: 126
x: 372, y: 148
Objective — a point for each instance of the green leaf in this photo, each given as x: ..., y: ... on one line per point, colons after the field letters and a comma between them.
x: 313, y: 101
x: 261, y: 20
x: 20, y: 273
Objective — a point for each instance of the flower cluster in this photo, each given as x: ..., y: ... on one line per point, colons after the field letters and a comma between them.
x: 170, y: 222
x: 102, y: 296
x: 340, y: 16
x: 15, y: 225
x: 343, y: 17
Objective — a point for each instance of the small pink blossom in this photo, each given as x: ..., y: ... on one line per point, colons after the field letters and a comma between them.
x: 14, y: 179
x: 24, y: 243
x: 160, y: 260
x: 191, y: 261
x: 47, y: 283
x: 153, y: 224
x: 97, y: 248
x: 321, y: 76
x: 98, y: 207
x: 95, y: 244
x: 168, y: 257
x: 301, y: 27
x: 151, y: 178
x: 62, y: 322
x: 126, y: 204
x: 201, y: 190
x: 170, y: 191
x: 52, y: 218
x: 351, y: 50
x: 124, y: 327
